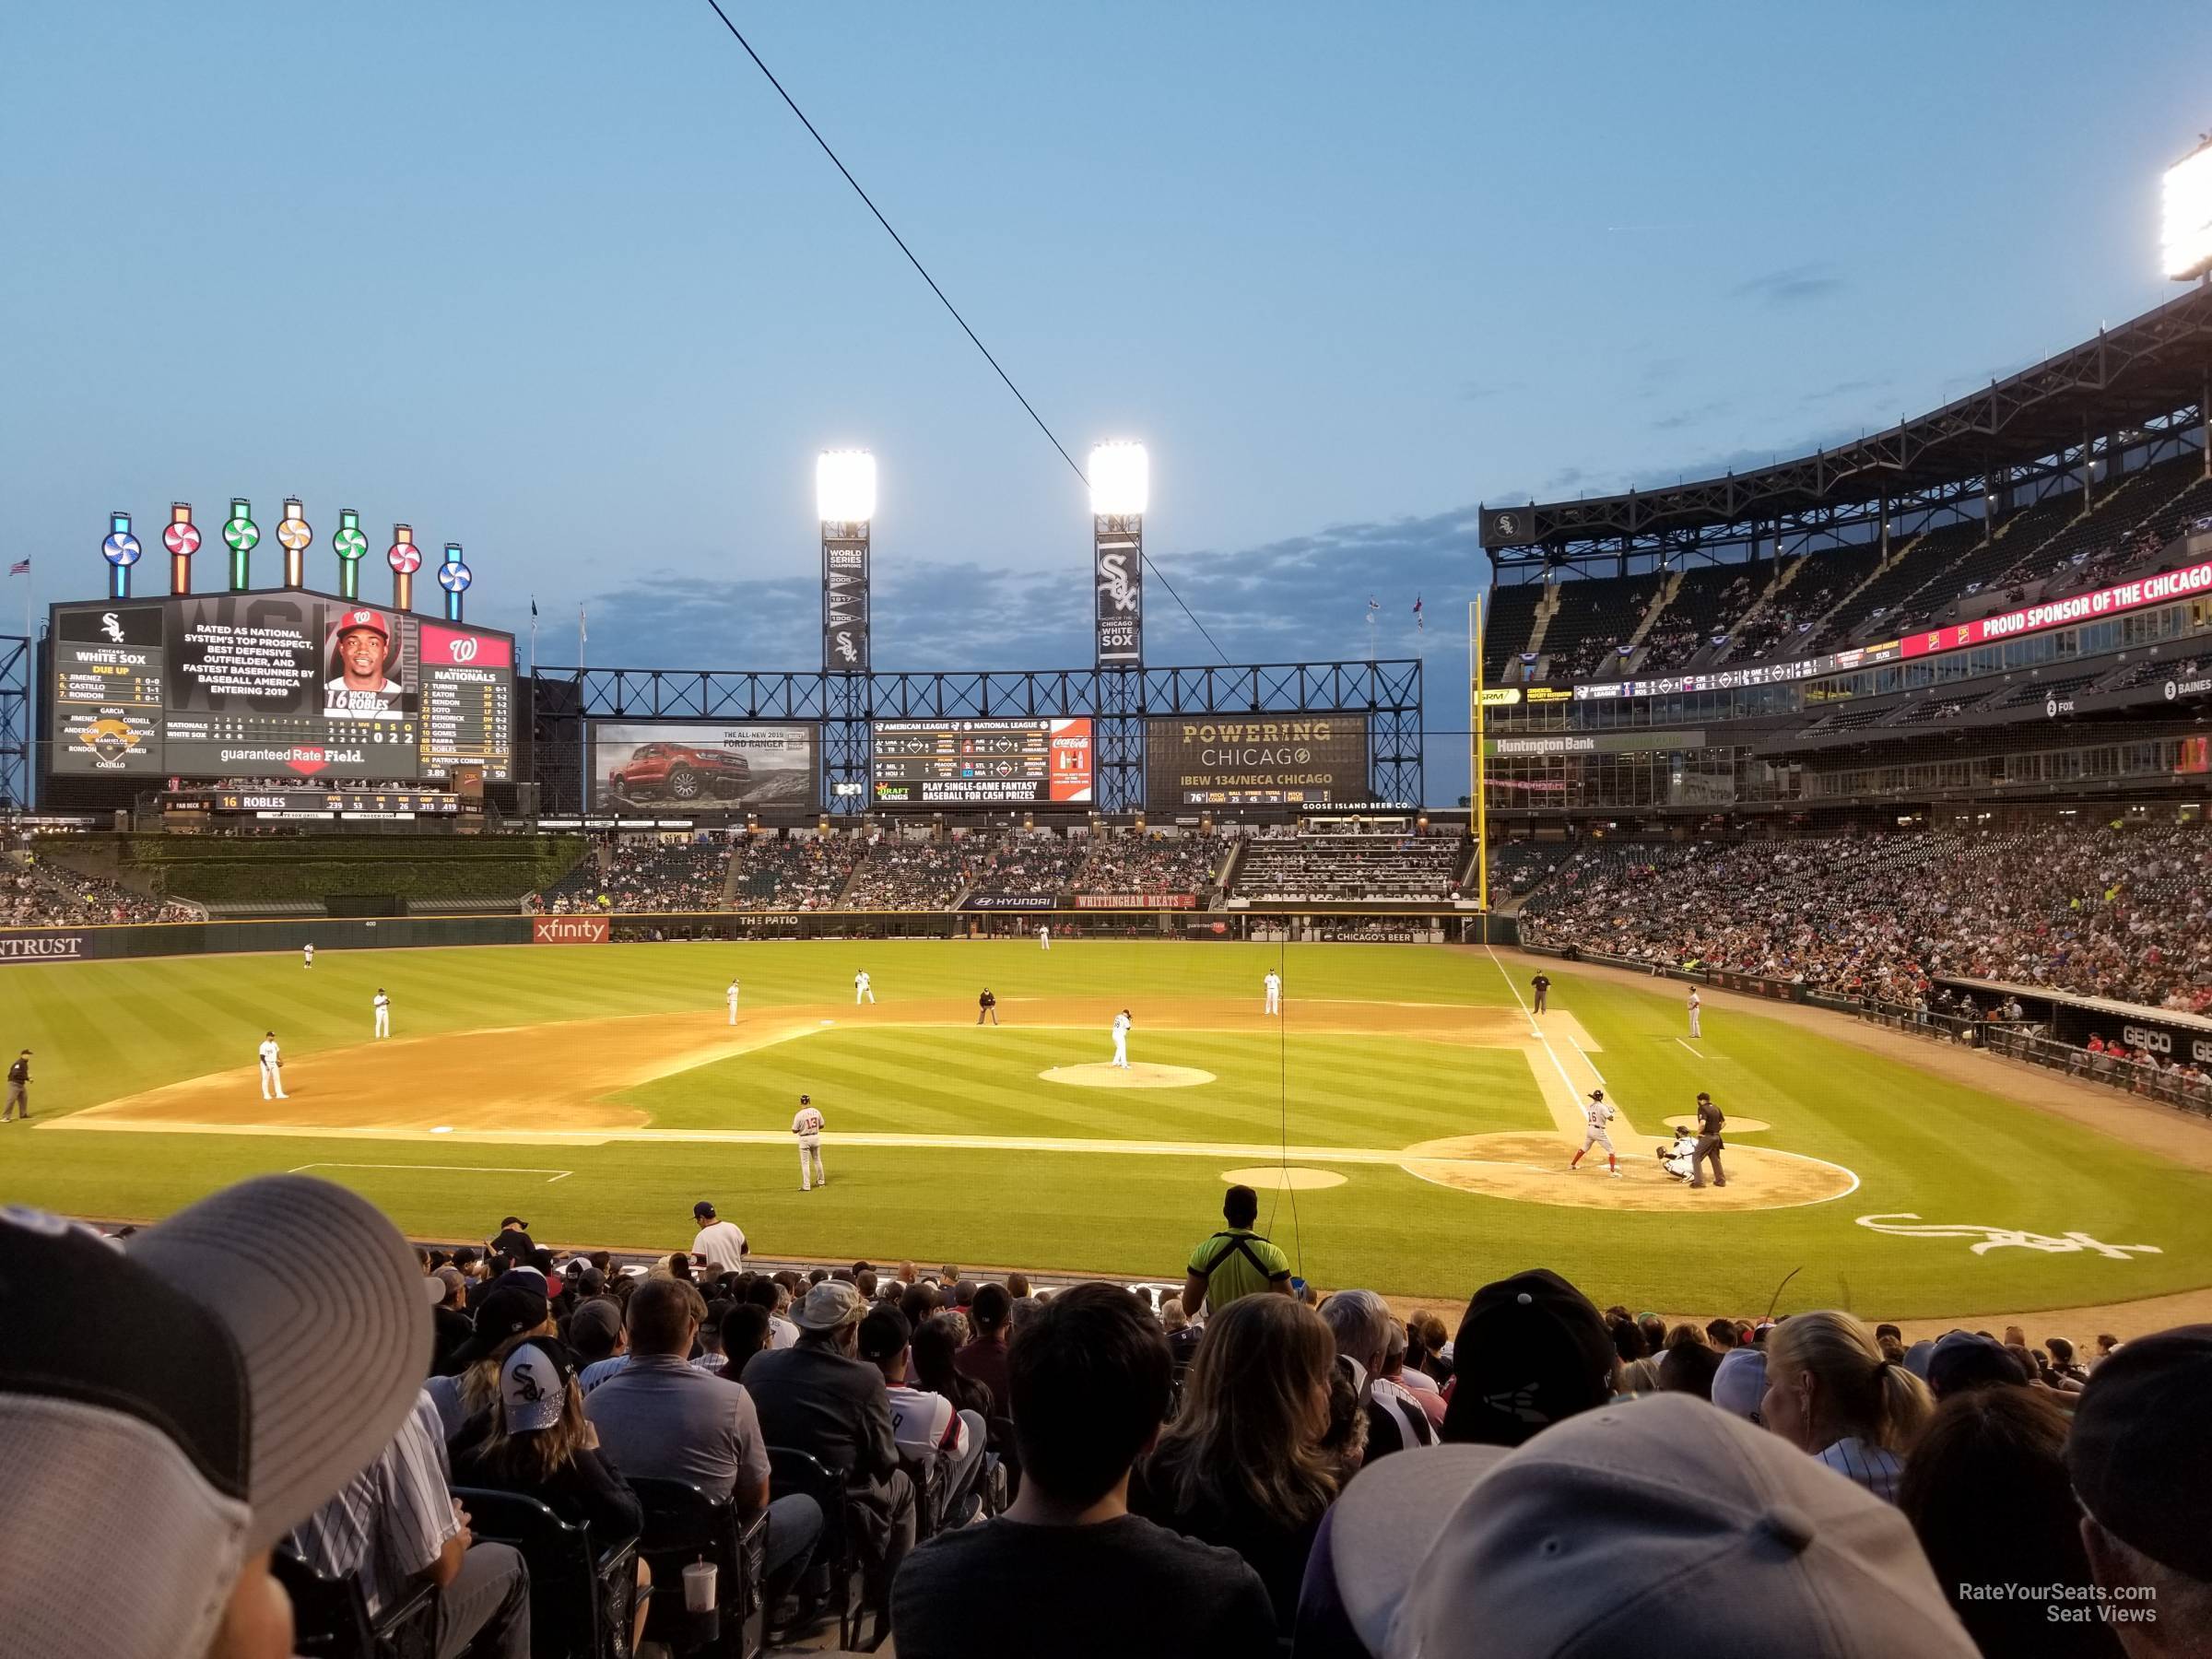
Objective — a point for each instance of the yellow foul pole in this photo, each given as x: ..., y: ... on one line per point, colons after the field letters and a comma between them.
x: 1477, y: 795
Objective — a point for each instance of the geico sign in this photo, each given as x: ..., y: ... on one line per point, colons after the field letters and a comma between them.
x: 2143, y: 1037
x: 569, y: 930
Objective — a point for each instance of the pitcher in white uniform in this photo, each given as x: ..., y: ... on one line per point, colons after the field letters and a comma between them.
x: 272, y: 1070
x: 1696, y: 1006
x: 1044, y: 937
x: 308, y: 958
x: 383, y: 1004
x: 807, y: 1125
x: 1121, y: 1040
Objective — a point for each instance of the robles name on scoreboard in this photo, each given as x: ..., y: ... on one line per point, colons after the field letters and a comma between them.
x: 983, y: 762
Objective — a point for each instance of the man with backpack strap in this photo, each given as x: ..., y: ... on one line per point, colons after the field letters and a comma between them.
x: 1235, y: 1262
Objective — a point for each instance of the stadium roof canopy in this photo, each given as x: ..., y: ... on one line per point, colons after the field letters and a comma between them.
x: 2126, y: 388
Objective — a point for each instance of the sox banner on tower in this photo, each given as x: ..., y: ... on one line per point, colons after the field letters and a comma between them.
x: 1120, y: 487
x: 845, y: 490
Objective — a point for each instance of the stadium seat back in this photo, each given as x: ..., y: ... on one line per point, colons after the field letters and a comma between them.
x: 583, y: 1589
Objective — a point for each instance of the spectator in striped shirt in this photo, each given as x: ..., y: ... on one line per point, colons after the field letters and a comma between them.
x: 1830, y: 1393
x: 396, y: 1523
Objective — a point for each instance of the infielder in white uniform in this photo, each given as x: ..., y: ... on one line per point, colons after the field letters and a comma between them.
x: 807, y: 1126
x: 1597, y: 1114
x: 1696, y: 1004
x: 308, y: 958
x: 732, y: 995
x: 1274, y: 984
x: 1121, y: 1040
x: 1044, y: 937
x: 383, y: 1004
x: 272, y: 1070
x: 861, y: 989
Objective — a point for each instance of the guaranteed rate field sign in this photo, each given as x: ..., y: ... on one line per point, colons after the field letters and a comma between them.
x: 1256, y: 760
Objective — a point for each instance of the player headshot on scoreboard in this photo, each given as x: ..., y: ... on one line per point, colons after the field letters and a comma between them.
x: 363, y: 662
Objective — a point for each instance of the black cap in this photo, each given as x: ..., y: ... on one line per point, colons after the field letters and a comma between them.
x: 2141, y: 1451
x: 516, y: 1221
x: 702, y: 1210
x: 508, y: 1311
x: 1530, y: 1351
x: 1964, y: 1359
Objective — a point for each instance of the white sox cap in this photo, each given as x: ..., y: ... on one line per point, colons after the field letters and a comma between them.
x: 1708, y: 1536
x: 138, y: 1482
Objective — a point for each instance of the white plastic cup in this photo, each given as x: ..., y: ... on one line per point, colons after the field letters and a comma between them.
x: 699, y: 1587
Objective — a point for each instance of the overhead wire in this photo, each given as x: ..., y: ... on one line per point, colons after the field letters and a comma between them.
x: 921, y: 270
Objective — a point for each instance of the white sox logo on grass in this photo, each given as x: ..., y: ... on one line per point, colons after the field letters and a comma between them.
x: 2003, y: 1238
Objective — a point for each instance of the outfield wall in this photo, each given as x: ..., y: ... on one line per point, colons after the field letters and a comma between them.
x: 123, y: 941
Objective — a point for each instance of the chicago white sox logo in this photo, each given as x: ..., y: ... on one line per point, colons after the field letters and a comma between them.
x: 1113, y: 581
x: 2001, y: 1238
x: 463, y: 649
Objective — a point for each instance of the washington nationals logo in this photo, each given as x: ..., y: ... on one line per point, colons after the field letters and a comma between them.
x: 463, y: 649
x: 2003, y: 1238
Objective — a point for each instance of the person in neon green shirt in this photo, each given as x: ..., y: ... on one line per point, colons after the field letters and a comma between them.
x: 1234, y: 1263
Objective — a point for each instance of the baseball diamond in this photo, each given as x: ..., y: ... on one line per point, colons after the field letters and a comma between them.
x: 1420, y: 1114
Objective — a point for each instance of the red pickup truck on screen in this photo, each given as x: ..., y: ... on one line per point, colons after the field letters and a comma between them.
x: 679, y: 773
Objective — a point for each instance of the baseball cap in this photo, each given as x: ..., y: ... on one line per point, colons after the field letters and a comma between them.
x: 507, y: 1310
x: 1740, y: 1384
x: 829, y: 1306
x: 598, y: 1320
x: 702, y: 1211
x: 2140, y: 1454
x: 533, y: 1384
x: 883, y: 1332
x: 1968, y: 1359
x: 1531, y: 1350
x: 365, y: 617
x: 181, y: 1468
x: 1675, y: 1505
x: 1597, y: 1094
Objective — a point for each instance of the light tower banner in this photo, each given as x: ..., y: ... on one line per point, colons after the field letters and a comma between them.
x: 1118, y: 543
x: 845, y: 599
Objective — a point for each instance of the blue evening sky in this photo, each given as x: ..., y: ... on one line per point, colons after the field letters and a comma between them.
x: 568, y: 284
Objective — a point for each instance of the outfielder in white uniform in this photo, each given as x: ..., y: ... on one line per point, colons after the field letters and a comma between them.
x: 1597, y: 1114
x: 272, y: 1070
x: 383, y: 1004
x: 731, y: 995
x: 861, y: 988
x: 308, y: 958
x: 1274, y: 984
x: 1696, y: 1004
x: 1121, y: 1040
x: 1044, y: 937
x: 807, y: 1126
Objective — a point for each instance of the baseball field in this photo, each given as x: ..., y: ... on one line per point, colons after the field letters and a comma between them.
x: 1408, y: 1121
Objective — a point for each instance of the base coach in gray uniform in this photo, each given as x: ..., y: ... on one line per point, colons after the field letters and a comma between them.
x: 1709, y: 1119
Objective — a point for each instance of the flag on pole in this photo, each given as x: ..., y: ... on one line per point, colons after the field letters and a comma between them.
x: 21, y: 568
x: 580, y: 635
x: 533, y: 606
x: 1417, y: 612
x: 1373, y: 604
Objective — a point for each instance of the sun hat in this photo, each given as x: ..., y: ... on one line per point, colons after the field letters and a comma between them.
x: 829, y: 1306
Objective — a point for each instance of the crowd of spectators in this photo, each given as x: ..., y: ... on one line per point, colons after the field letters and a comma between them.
x: 1229, y: 1469
x: 2117, y: 912
x: 35, y: 894
x: 897, y: 873
x: 642, y: 876
x: 1030, y: 862
x: 791, y: 873
x: 1135, y: 863
x: 1348, y: 868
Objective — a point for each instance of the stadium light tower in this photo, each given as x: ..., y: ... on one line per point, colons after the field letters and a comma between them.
x: 844, y: 498
x: 2185, y: 241
x: 1120, y: 490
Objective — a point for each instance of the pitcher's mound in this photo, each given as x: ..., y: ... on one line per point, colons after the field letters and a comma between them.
x: 1130, y: 1077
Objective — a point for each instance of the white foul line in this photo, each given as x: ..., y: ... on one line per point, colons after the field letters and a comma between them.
x: 1686, y: 1045
x: 464, y: 1168
x: 1537, y: 1031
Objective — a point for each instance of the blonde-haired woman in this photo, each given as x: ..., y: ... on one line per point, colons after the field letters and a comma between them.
x: 1243, y: 1465
x: 1830, y: 1393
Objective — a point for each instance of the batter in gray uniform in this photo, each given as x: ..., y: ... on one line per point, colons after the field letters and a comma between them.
x: 1709, y: 1119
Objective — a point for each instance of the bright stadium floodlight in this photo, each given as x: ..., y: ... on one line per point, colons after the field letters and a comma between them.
x: 1121, y: 481
x: 844, y: 487
x: 2186, y: 240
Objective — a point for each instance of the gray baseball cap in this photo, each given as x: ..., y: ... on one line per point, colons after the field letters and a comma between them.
x: 1705, y: 1534
x: 175, y: 1404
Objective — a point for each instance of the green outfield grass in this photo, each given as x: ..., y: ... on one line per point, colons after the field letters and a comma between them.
x: 1919, y: 1144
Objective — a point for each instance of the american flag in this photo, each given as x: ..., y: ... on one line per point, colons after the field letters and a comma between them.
x: 1417, y: 612
x: 21, y: 568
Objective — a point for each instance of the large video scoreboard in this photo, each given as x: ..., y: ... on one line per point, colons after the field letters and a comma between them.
x: 983, y: 762
x: 275, y: 685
